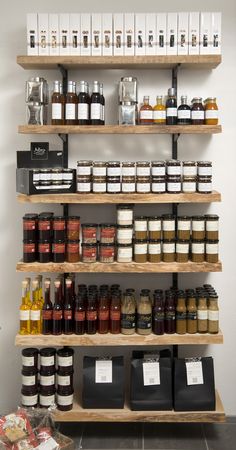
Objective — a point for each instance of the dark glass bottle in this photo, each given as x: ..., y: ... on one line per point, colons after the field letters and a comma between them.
x: 47, y: 309
x: 158, y: 315
x: 103, y: 314
x: 58, y: 105
x: 170, y: 313
x: 102, y: 105
x: 57, y: 314
x: 95, y: 109
x: 68, y: 308
x: 80, y: 315
x: 171, y: 107
x: 71, y: 105
x: 184, y: 112
x: 83, y: 104
x: 115, y: 313
x: 91, y: 315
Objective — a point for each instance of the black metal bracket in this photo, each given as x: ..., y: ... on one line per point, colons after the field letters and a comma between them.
x: 64, y: 74
x: 175, y: 76
x: 63, y: 136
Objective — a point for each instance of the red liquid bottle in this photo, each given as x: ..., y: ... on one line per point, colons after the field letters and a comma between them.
x: 57, y: 314
x: 91, y: 315
x: 115, y: 314
x: 80, y: 315
x: 170, y: 313
x: 158, y: 315
x: 47, y: 309
x: 68, y: 308
x: 103, y: 314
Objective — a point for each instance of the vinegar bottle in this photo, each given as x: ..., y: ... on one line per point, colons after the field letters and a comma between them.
x: 95, y: 111
x: 159, y: 112
x: 102, y: 105
x: 171, y: 107
x: 115, y: 314
x: 80, y: 315
x: 71, y: 105
x: 57, y: 313
x: 103, y: 315
x: 68, y: 308
x: 47, y: 309
x: 24, y: 310
x: 83, y: 104
x: 35, y: 312
x: 58, y: 105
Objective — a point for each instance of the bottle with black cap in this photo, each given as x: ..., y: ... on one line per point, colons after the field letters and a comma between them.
x: 95, y: 111
x: 83, y: 104
x: 171, y: 107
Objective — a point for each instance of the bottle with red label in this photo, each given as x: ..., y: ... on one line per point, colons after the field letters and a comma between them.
x: 47, y: 309
x: 91, y: 315
x: 115, y: 313
x: 57, y: 314
x: 103, y: 313
x: 80, y: 315
x: 68, y: 308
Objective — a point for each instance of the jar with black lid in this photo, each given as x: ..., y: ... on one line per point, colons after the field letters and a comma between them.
x: 158, y: 185
x: 84, y: 168
x: 128, y: 185
x: 173, y: 167
x: 204, y: 185
x: 47, y: 376
x: 89, y: 252
x: 84, y: 184
x: 30, y: 227
x: 107, y: 233
x: 29, y: 251
x: 89, y: 233
x: 168, y: 226
x: 140, y: 251
x: 107, y: 253
x: 47, y: 358
x: 143, y: 185
x: 124, y: 253
x: 182, y: 251
x: 204, y: 168
x: 189, y: 185
x: 174, y: 184
x: 29, y: 397
x: 113, y: 185
x: 124, y: 234
x: 29, y: 376
x: 198, y: 250
x: 44, y: 251
x: 212, y: 227
x: 128, y: 169
x: 59, y: 227
x: 184, y: 227
x: 154, y: 251
x: 124, y: 214
x: 67, y: 175
x: 168, y: 250
x: 45, y: 227
x: 198, y: 227
x: 143, y: 169
x: 189, y: 168
x: 47, y: 396
x: 65, y: 377
x: 65, y: 398
x: 65, y: 359
x: 114, y: 169
x: 99, y: 169
x: 29, y: 358
x: 58, y: 251
x: 57, y: 175
x: 99, y: 185
x: 197, y: 111
x: 158, y: 168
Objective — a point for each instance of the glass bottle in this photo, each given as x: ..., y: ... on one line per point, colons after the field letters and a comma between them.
x: 91, y: 315
x: 171, y: 107
x: 39, y: 278
x: 144, y: 314
x: 95, y: 109
x: 58, y: 105
x: 102, y: 105
x: 211, y: 111
x: 35, y: 312
x: 170, y: 313
x: 191, y: 315
x: 115, y: 313
x: 213, y: 314
x: 28, y: 299
x: 47, y: 309
x: 181, y: 323
x: 146, y: 112
x: 83, y: 104
x: 197, y: 111
x: 184, y: 112
x: 128, y: 314
x: 80, y: 315
x: 68, y: 308
x: 103, y: 314
x: 24, y: 310
x: 57, y: 314
x: 159, y: 111
x: 158, y: 315
x: 202, y: 314
x: 71, y: 105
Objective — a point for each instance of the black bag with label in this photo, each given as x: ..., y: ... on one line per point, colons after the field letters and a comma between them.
x: 152, y: 397
x: 194, y: 396
x: 103, y: 382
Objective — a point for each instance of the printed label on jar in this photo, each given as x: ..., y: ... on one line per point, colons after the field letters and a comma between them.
x: 25, y: 315
x: 128, y: 187
x: 211, y: 114
x: 95, y: 111
x: 91, y: 315
x: 171, y: 112
x: 198, y: 248
x: 154, y: 225
x: 154, y: 249
x: 182, y: 248
x: 113, y: 187
x: 64, y: 400
x: 57, y: 176
x: 159, y: 114
x: 27, y: 361
x: 184, y: 225
x: 168, y: 248
x: 125, y: 253
x: 84, y: 187
x: 184, y: 114
x: 28, y: 381
x: 125, y: 215
x: 212, y: 225
x: 73, y: 226
x: 35, y: 315
x: 29, y: 248
x: 173, y: 187
x: 143, y: 171
x: 65, y: 361
x: 168, y: 225
x: 158, y: 171
x: 140, y: 249
x: 47, y: 361
x: 89, y: 253
x: 128, y: 171
x: 84, y: 170
x: 79, y: 316
x: 99, y: 187
x: 128, y: 321
x: 204, y: 187
x: 143, y: 187
x: 67, y: 315
x: 63, y: 380
x: 106, y: 233
x: 44, y: 225
x: 158, y: 187
x: 140, y: 225
x: 197, y: 115
x: 70, y: 111
x: 57, y: 315
x: 83, y: 111
x: 107, y: 252
x: 56, y: 111
x: 59, y: 225
x: 67, y: 176
x: 103, y: 315
x: 35, y: 176
x: 89, y: 233
x: 189, y: 171
x: 45, y: 177
x: 212, y: 249
x: 114, y: 171
x: 173, y: 170
x: 146, y: 114
x: 44, y: 248
x: 144, y: 321
x: 198, y: 225
x: 29, y: 225
x: 48, y: 400
x: 47, y: 381
x: 99, y: 171
x: 29, y: 400
x: 58, y: 248
x: 202, y: 314
x: 213, y: 315
x: 124, y: 234
x: 189, y: 186
x: 73, y: 248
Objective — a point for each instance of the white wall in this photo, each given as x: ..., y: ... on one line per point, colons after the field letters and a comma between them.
x: 219, y: 148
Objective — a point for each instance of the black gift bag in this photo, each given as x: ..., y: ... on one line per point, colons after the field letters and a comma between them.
x: 194, y: 397
x: 102, y: 388
x: 155, y: 397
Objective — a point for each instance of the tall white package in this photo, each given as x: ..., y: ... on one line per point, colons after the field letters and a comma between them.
x: 118, y: 34
x: 140, y: 34
x: 75, y: 34
x: 107, y: 34
x: 216, y: 33
x: 172, y: 24
x: 161, y: 36
x: 64, y: 27
x: 129, y: 34
x: 96, y: 34
x: 205, y: 33
x: 193, y: 33
x: 183, y: 33
x: 53, y: 34
x: 151, y: 32
x: 43, y: 34
x: 32, y: 34
x: 85, y: 30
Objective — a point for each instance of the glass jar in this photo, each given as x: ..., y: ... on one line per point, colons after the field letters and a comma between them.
x: 47, y: 376
x: 140, y: 251
x: 29, y: 251
x: 65, y: 377
x: 47, y: 358
x: 140, y: 227
x: 73, y: 254
x: 73, y: 228
x: 84, y: 185
x: 59, y: 227
x: 45, y: 185
x: 47, y: 396
x: 198, y: 227
x: 30, y: 226
x: 168, y: 226
x: 107, y: 233
x: 143, y: 185
x: 128, y: 169
x: 107, y: 253
x: 204, y: 185
x: 36, y: 175
x: 58, y: 251
x: 154, y: 251
x: 183, y: 227
x: 212, y: 227
x: 84, y: 168
x: 204, y: 168
x: 46, y: 174
x: 113, y: 169
x: 125, y: 234
x: 56, y: 175
x: 65, y: 359
x: 89, y: 253
x: 29, y: 397
x: 45, y: 227
x: 29, y: 376
x: 168, y: 250
x: 158, y: 168
x: 89, y: 233
x: 67, y: 175
x: 143, y: 169
x: 99, y: 169
x: 99, y: 185
x: 189, y: 168
x: 144, y: 315
x: 173, y: 167
x: 189, y: 185
x: 124, y: 215
x: 65, y: 398
x: 154, y: 227
x: 158, y: 185
x: 124, y: 253
x: 29, y: 358
x: 211, y: 111
x: 198, y: 251
x: 128, y: 185
x: 182, y: 251
x: 174, y: 184
x: 113, y: 185
x: 44, y: 251
x: 212, y: 251
x: 197, y: 111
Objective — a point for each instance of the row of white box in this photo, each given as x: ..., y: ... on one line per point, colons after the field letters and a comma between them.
x: 124, y: 34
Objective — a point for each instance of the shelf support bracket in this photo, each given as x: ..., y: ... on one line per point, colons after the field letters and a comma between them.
x: 175, y: 76
x: 64, y: 74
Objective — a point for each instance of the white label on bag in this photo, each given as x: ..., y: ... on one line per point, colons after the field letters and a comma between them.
x: 154, y: 249
x: 158, y: 187
x: 173, y: 187
x: 184, y: 225
x: 198, y: 248
x: 168, y: 248
x: 124, y: 253
x: 168, y: 225
x: 204, y: 187
x: 213, y: 315
x: 212, y: 249
x: 47, y: 381
x: 202, y: 314
x: 113, y: 187
x: 212, y: 225
x: 99, y: 187
x: 83, y: 187
x: 126, y: 233
x: 28, y: 381
x: 95, y: 111
x: 190, y: 171
x: 50, y: 444
x: 173, y: 170
x: 140, y: 249
x: 28, y: 361
x: 151, y: 373
x: 154, y: 225
x: 182, y: 248
x: 143, y: 171
x: 146, y: 114
x: 140, y: 225
x: 25, y: 315
x: 194, y: 373
x: 184, y: 114
x: 171, y: 112
x: 47, y: 361
x: 63, y: 380
x: 189, y: 186
x: 198, y: 225
x: 211, y: 114
x: 128, y: 187
x: 124, y: 215
x: 197, y: 115
x: 128, y: 171
x: 159, y: 114
x: 35, y: 315
x: 205, y: 171
x: 70, y: 111
x: 64, y: 400
x: 48, y: 400
x: 65, y: 361
x: 83, y: 111
x: 114, y: 171
x: 103, y: 371
x: 29, y: 400
x: 84, y: 170
x: 99, y: 171
x: 56, y: 111
x: 143, y: 187
x: 158, y: 171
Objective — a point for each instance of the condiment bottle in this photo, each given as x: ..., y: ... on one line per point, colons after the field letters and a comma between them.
x: 213, y: 314
x: 115, y: 313
x: 103, y: 314
x: 24, y: 310
x: 181, y: 324
x: 146, y: 112
x: 184, y: 112
x: 171, y: 107
x: 144, y: 314
x: 159, y: 111
x: 197, y: 111
x: 35, y: 312
x: 95, y: 108
x: 91, y: 315
x: 158, y: 315
x: 71, y: 105
x: 211, y: 111
x: 58, y: 105
x: 202, y: 314
x: 128, y: 314
x: 83, y: 104
x: 170, y: 313
x: 102, y: 105
x: 191, y: 315
x: 57, y: 313
x: 68, y: 308
x: 47, y: 309
x: 79, y: 316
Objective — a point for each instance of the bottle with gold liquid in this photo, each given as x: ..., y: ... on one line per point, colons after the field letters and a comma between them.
x: 159, y: 112
x: 24, y: 311
x: 28, y: 283
x: 35, y: 312
x: 39, y: 278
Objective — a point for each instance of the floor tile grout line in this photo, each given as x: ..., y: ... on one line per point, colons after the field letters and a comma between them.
x: 204, y: 436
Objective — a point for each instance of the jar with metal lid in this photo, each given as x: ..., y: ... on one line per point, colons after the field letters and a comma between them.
x: 212, y: 227
x: 128, y: 169
x: 84, y: 168
x: 113, y: 185
x: 65, y: 398
x: 124, y: 234
x: 107, y: 253
x: 173, y: 167
x: 143, y: 185
x: 72, y: 251
x: 168, y: 250
x: 45, y: 185
x: 89, y: 253
x: 47, y: 358
x: 29, y: 251
x: 47, y: 376
x: 197, y: 111
x: 99, y: 185
x: 73, y: 228
x: 36, y: 175
x: 89, y: 233
x: 174, y: 184
x: 57, y: 175
x: 140, y: 227
x: 124, y: 253
x: 212, y: 251
x: 154, y: 251
x: 204, y: 168
x: 29, y: 397
x: 84, y: 184
x: 140, y: 251
x: 154, y: 227
x: 189, y: 185
x: 29, y: 358
x: 67, y: 174
x: 65, y: 359
x: 99, y: 169
x: 58, y: 251
x: 183, y: 227
x: 56, y: 185
x: 113, y: 169
x: 125, y: 215
x: 158, y: 168
x: 29, y: 376
x: 143, y: 169
x: 182, y: 251
x: 47, y: 396
x: 45, y: 175
x: 107, y: 233
x: 128, y: 185
x: 30, y: 226
x: 189, y: 168
x: 198, y: 251
x: 211, y: 111
x: 44, y: 251
x: 158, y: 185
x: 204, y: 185
x: 59, y: 227
x: 198, y: 227
x: 65, y: 377
x: 168, y: 226
x: 45, y: 227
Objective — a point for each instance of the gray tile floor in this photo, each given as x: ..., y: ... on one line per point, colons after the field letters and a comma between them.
x: 136, y: 436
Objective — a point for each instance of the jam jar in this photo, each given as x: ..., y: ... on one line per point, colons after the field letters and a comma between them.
x: 29, y: 396
x: 124, y: 215
x: 89, y: 253
x: 198, y: 251
x: 59, y: 227
x: 107, y: 253
x: 72, y: 251
x: 44, y: 251
x: 113, y: 185
x: 204, y: 168
x: 173, y: 167
x: 45, y: 175
x: 99, y: 169
x: 212, y: 251
x: 174, y: 184
x: 113, y: 169
x: 198, y: 227
x: 143, y: 169
x: 128, y: 185
x: 99, y: 185
x: 124, y: 234
x: 58, y: 251
x: 168, y: 250
x: 29, y: 251
x: 154, y: 251
x: 57, y: 175
x: 47, y: 358
x: 84, y: 168
x: 124, y: 253
x: 211, y: 111
x: 89, y: 233
x: 29, y: 376
x: 197, y: 111
x: 182, y: 251
x: 140, y: 227
x: 65, y: 359
x: 212, y: 227
x: 47, y: 376
x: 65, y: 377
x: 84, y: 185
x: 158, y: 185
x: 154, y: 227
x: 140, y: 251
x: 189, y: 184
x: 30, y: 358
x: 204, y: 185
x: 73, y: 228
x: 168, y: 226
x: 67, y: 175
x: 184, y: 227
x: 107, y: 233
x: 65, y: 398
x: 47, y: 396
x: 128, y: 169
x: 189, y: 168
x: 143, y: 185
x: 30, y: 227
x: 45, y: 227
x: 158, y: 168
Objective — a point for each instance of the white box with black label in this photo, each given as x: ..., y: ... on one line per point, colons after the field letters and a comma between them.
x: 161, y: 35
x: 151, y: 29
x: 172, y: 25
x: 140, y: 35
x: 64, y: 27
x: 32, y: 34
x: 129, y: 34
x: 183, y: 33
x: 118, y: 34
x: 205, y: 33
x: 107, y: 34
x: 193, y: 33
x: 74, y: 34
x: 216, y: 33
x: 96, y: 34
x: 43, y: 34
x: 53, y: 34
x: 85, y: 30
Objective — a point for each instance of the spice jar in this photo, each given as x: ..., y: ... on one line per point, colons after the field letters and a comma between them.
x: 183, y: 227
x: 65, y: 398
x: 143, y: 169
x: 181, y: 316
x: 144, y: 314
x: 84, y: 168
x: 73, y: 228
x: 124, y: 215
x: 84, y: 185
x: 198, y: 251
x: 44, y: 251
x: 191, y: 315
x: 189, y: 185
x: 158, y: 185
x: 168, y: 250
x: 202, y: 315
x: 173, y: 167
x: 198, y: 227
x: 204, y: 185
x: 67, y: 175
x: 29, y: 251
x: 29, y: 376
x: 58, y: 251
x: 140, y: 227
x: 65, y: 357
x: 158, y: 168
x: 107, y: 253
x: 143, y: 185
x: 154, y: 227
x: 174, y: 184
x: 140, y: 251
x: 204, y: 168
x: 89, y: 253
x: 124, y: 253
x: 189, y: 168
x: 47, y: 358
x: 124, y: 234
x: 168, y: 226
x: 47, y: 396
x: 99, y: 169
x: 182, y: 251
x: 89, y: 233
x: 197, y: 111
x: 107, y: 233
x: 128, y: 314
x: 45, y: 227
x: 211, y: 111
x: 154, y: 251
x: 212, y: 227
x: 113, y: 169
x: 29, y: 397
x: 29, y: 358
x: 113, y: 185
x: 73, y: 254
x: 128, y: 185
x: 128, y: 169
x: 213, y: 314
x: 30, y: 226
x: 59, y: 227
x: 99, y: 185
x: 212, y: 251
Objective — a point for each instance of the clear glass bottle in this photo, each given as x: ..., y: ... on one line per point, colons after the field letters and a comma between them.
x: 71, y: 112
x: 159, y: 111
x: 95, y: 108
x: 184, y: 112
x: 171, y: 107
x: 24, y: 310
x: 146, y: 112
x: 58, y: 105
x: 35, y: 312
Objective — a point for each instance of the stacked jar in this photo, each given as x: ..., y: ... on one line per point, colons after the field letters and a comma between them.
x: 47, y: 382
x: 29, y: 391
x: 53, y: 179
x: 65, y: 373
x: 205, y: 238
x: 124, y: 233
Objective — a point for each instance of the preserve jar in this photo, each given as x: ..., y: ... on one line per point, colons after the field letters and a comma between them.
x: 99, y: 169
x: 65, y: 377
x: 183, y: 227
x: 154, y: 251
x: 212, y: 251
x: 47, y: 376
x: 30, y: 227
x: 182, y: 251
x: 204, y: 185
x: 173, y: 167
x: 47, y: 358
x: 168, y: 250
x: 29, y: 397
x: 89, y: 233
x: 168, y: 226
x: 211, y: 111
x: 198, y: 251
x: 113, y: 169
x: 113, y: 185
x: 107, y: 233
x: 158, y: 185
x: 58, y: 251
x: 189, y: 168
x: 59, y: 227
x: 73, y: 228
x: 154, y: 227
x: 72, y: 251
x: 124, y: 215
x: 124, y: 253
x: 29, y: 358
x: 124, y: 234
x: 107, y: 253
x: 204, y: 168
x: 143, y: 185
x: 47, y: 396
x: 84, y: 168
x: 89, y: 253
x: 128, y: 169
x: 189, y: 185
x: 128, y: 185
x: 29, y: 251
x: 198, y: 227
x: 158, y: 168
x: 140, y: 227
x: 144, y: 314
x: 99, y: 185
x: 140, y: 251
x: 143, y: 169
x: 65, y: 398
x: 56, y: 185
x: 65, y: 359
x: 45, y: 185
x: 45, y: 227
x: 36, y: 175
x: 174, y: 184
x: 45, y: 175
x: 84, y: 185
x: 56, y: 175
x: 212, y: 227
x: 197, y: 111
x: 29, y: 376
x: 67, y: 175
x: 44, y: 251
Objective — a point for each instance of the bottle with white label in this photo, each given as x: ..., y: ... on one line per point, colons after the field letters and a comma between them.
x: 211, y: 111
x: 24, y: 311
x: 146, y: 112
x: 83, y: 104
x: 184, y: 112
x: 102, y: 105
x: 159, y: 112
x: 171, y: 107
x: 35, y: 312
x: 58, y: 105
x: 95, y: 109
x: 202, y: 314
x: 197, y: 111
x: 71, y: 104
x: 213, y: 314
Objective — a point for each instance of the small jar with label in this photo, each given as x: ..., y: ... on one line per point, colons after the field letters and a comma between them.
x: 30, y: 226
x: 124, y: 234
x: 128, y: 169
x: 212, y: 227
x: 174, y: 184
x: 158, y: 168
x: 124, y: 253
x: 140, y: 251
x: 168, y: 226
x: 65, y: 377
x: 99, y: 169
x: 65, y: 359
x: 158, y: 185
x: 89, y: 253
x: 211, y: 111
x: 107, y: 233
x: 29, y: 251
x: 84, y: 184
x: 154, y: 251
x: 113, y: 185
x: 143, y: 169
x: 47, y: 376
x: 204, y: 185
x: 198, y: 251
x: 99, y: 185
x: 44, y: 251
x: 154, y: 227
x: 36, y: 175
x: 189, y: 168
x: 89, y: 233
x: 57, y: 175
x: 198, y: 227
x: 84, y: 168
x: 67, y: 175
x: 113, y: 169
x: 46, y: 174
x: 189, y: 185
x: 140, y: 227
x: 173, y: 167
x: 29, y: 376
x: 168, y: 250
x: 58, y: 251
x: 197, y: 111
x: 204, y: 168
x: 143, y: 185
x: 29, y: 397
x: 45, y: 227
x: 65, y: 398
x: 29, y: 358
x: 47, y: 358
x: 59, y: 227
x: 128, y: 185
x: 213, y: 314
x: 107, y: 253
x: 182, y: 251
x: 183, y: 227
x: 212, y: 251
x: 45, y: 185
x: 72, y: 251
x: 125, y: 215
x: 73, y: 228
x: 47, y: 396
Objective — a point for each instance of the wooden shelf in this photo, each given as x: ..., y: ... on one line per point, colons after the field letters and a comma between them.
x: 119, y: 129
x: 118, y: 267
x: 78, y: 414
x: 119, y: 62
x: 120, y: 198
